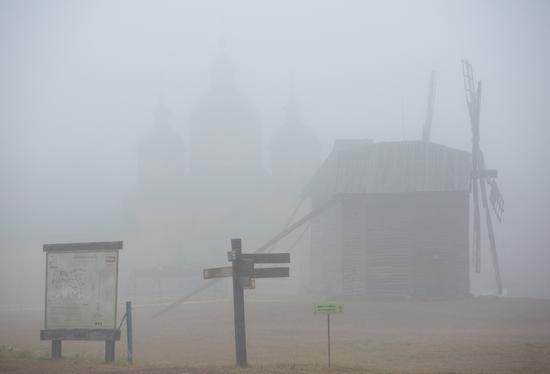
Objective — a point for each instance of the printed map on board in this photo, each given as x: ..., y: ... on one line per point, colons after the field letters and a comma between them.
x: 81, y: 290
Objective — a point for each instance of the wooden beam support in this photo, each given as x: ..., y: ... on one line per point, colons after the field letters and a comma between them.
x: 80, y: 334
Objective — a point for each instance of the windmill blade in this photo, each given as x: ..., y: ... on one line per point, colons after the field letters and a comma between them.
x: 492, y: 242
x: 468, y: 77
x: 472, y: 95
x: 481, y: 173
x: 426, y: 131
x: 496, y: 199
x: 473, y: 98
x: 477, y: 112
x: 480, y: 176
x: 469, y: 88
x: 476, y: 250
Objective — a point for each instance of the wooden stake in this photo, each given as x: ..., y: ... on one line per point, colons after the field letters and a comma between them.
x: 328, y: 334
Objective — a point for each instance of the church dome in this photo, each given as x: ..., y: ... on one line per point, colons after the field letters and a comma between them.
x: 225, y: 133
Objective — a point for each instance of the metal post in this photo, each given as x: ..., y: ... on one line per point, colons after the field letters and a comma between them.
x: 238, y: 307
x: 328, y: 335
x: 129, y: 332
x: 109, y: 350
x: 56, y: 349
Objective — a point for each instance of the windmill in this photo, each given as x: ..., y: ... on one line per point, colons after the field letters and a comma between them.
x: 481, y: 178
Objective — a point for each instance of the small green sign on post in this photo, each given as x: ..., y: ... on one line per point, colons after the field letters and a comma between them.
x: 328, y: 309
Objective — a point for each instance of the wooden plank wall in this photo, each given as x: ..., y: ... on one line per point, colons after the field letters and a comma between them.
x: 412, y: 245
x: 354, y: 255
x: 326, y: 250
x: 386, y: 242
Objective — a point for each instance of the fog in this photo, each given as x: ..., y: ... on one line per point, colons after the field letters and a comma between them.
x: 81, y: 84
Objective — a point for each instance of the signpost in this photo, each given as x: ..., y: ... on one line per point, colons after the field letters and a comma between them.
x: 244, y: 274
x: 328, y: 309
x: 81, y: 294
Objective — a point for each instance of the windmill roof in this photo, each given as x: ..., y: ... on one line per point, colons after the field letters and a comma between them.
x: 392, y: 167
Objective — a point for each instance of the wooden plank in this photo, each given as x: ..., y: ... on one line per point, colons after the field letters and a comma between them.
x: 268, y: 258
x: 91, y: 246
x: 80, y: 334
x: 278, y: 272
x: 222, y: 272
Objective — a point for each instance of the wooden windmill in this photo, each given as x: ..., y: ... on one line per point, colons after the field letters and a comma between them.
x: 481, y: 178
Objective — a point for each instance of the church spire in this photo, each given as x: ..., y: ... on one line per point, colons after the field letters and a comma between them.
x: 162, y: 113
x: 223, y: 72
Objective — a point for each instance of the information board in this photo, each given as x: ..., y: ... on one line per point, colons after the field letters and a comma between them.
x: 81, y: 289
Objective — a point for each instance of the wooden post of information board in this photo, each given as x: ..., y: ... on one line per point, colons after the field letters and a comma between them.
x: 56, y: 349
x: 109, y: 350
x: 130, y: 332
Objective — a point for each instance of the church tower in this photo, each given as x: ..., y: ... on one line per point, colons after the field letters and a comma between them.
x: 161, y: 158
x: 295, y: 149
x: 225, y: 133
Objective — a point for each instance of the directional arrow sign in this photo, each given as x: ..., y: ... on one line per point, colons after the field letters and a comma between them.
x: 268, y: 258
x: 271, y: 273
x: 223, y: 272
x: 243, y: 273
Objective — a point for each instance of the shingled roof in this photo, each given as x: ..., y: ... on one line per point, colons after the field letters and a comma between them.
x: 392, y: 167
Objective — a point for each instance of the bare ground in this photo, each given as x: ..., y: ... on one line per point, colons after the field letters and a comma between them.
x: 478, y: 335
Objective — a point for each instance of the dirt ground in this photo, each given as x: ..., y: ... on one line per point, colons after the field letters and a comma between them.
x: 477, y: 335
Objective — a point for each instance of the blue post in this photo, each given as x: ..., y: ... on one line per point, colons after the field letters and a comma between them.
x: 129, y: 332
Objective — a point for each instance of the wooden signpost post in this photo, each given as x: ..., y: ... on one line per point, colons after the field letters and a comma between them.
x: 328, y: 309
x: 244, y: 273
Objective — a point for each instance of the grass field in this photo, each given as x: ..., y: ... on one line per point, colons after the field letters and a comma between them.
x: 477, y: 335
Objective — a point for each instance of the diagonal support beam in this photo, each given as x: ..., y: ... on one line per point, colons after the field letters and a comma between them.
x: 263, y: 248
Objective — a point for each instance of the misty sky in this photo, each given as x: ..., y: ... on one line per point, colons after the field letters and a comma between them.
x: 79, y: 82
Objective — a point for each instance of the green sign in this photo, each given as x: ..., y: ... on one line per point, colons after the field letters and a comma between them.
x: 328, y: 308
